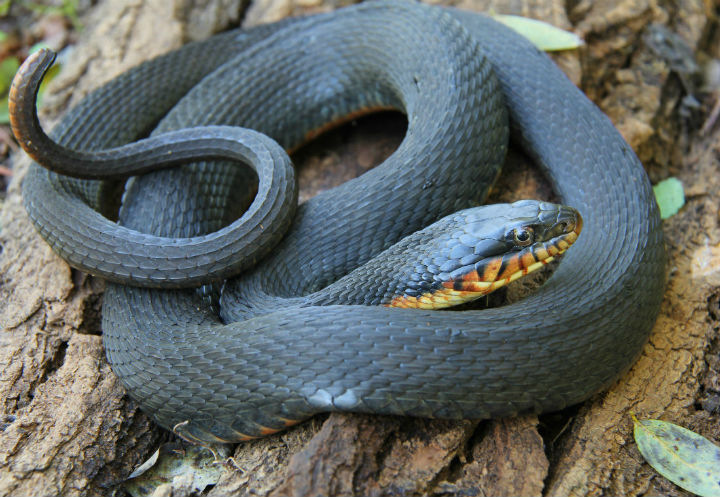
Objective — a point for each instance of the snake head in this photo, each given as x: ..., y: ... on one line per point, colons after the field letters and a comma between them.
x: 478, y: 250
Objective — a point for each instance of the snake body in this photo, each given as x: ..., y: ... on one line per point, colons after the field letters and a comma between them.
x: 454, y: 74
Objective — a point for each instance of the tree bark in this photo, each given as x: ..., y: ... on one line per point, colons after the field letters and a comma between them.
x: 68, y: 428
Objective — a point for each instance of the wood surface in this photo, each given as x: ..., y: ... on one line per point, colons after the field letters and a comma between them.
x: 68, y: 428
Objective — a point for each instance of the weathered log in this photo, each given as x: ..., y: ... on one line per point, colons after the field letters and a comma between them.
x: 67, y: 427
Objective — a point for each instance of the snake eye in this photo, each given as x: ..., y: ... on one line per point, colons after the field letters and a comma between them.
x: 523, y: 236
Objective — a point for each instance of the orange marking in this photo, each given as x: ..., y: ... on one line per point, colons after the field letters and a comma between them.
x: 476, y: 287
x: 403, y: 302
x: 12, y: 106
x: 527, y: 259
x: 28, y: 67
x: 290, y: 422
x: 266, y: 430
x: 512, y: 267
x: 467, y: 280
x: 491, y: 270
x: 578, y: 225
x: 542, y: 254
x: 179, y: 430
x: 444, y: 297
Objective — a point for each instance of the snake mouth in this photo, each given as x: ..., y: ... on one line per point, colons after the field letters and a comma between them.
x: 492, y: 273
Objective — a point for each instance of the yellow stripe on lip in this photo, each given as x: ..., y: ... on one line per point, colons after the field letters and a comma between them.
x: 471, y: 288
x: 472, y: 285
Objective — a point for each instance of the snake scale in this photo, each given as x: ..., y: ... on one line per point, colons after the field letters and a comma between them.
x: 273, y: 356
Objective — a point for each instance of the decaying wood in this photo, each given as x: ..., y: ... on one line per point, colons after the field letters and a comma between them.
x: 67, y: 428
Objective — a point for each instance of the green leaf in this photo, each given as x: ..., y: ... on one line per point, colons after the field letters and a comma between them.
x: 8, y: 68
x: 49, y: 76
x: 7, y: 73
x: 543, y: 35
x: 670, y: 197
x: 68, y: 8
x: 680, y: 455
x: 4, y: 112
x: 37, y: 46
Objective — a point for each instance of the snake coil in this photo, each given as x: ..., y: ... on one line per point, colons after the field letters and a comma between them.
x: 457, y: 76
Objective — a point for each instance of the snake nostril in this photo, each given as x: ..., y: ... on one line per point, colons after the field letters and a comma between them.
x: 562, y: 228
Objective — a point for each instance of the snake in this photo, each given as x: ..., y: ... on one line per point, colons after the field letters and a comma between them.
x: 324, y: 321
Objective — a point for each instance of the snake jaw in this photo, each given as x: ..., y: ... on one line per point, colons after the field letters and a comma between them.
x: 471, y: 285
x: 490, y: 273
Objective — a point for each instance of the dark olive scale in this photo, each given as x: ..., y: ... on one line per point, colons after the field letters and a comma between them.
x: 213, y: 380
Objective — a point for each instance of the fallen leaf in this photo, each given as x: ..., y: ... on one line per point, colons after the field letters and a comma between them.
x: 182, y: 469
x: 670, y: 196
x: 543, y: 35
x: 680, y: 455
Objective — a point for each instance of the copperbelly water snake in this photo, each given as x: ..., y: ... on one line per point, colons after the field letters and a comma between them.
x: 265, y: 365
